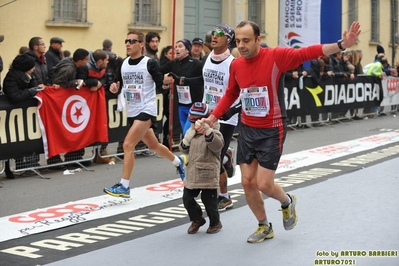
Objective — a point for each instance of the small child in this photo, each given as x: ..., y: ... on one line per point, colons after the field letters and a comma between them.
x: 202, y: 170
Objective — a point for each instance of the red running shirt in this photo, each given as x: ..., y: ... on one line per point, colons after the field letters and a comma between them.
x: 257, y: 79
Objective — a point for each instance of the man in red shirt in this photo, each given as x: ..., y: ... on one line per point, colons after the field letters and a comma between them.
x: 255, y: 78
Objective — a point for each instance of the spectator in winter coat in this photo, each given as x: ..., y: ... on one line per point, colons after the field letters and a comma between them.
x: 53, y: 56
x: 37, y: 49
x: 20, y: 85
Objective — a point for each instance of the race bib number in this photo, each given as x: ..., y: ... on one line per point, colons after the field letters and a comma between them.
x: 183, y: 92
x: 255, y: 101
x: 133, y: 95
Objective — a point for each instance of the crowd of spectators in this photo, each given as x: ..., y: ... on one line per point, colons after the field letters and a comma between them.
x: 345, y: 65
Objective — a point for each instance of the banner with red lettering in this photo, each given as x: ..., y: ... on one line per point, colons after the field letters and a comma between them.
x: 71, y: 119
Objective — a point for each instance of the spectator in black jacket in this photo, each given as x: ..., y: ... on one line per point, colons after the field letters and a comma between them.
x: 317, y: 71
x: 53, y: 56
x: 37, y: 48
x: 184, y: 66
x: 166, y: 55
x: 20, y: 85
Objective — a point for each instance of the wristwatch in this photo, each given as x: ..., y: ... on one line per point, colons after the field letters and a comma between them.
x: 339, y: 43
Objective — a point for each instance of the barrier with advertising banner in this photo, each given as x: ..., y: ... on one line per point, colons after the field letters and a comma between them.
x: 20, y: 133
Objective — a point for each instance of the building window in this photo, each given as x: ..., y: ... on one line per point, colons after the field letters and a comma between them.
x: 147, y: 12
x: 256, y: 13
x: 353, y: 11
x: 375, y: 21
x: 70, y: 10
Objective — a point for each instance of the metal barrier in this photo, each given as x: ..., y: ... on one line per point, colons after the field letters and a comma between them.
x: 37, y: 163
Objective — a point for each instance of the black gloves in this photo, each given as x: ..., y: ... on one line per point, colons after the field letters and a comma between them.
x: 232, y: 111
x: 175, y: 77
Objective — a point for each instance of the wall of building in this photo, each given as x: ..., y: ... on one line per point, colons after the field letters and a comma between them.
x: 22, y: 20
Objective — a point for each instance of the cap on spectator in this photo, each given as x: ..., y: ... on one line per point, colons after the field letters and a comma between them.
x: 1, y: 38
x: 197, y: 111
x: 56, y: 40
x: 23, y: 62
x: 186, y: 43
x: 107, y: 43
x: 263, y: 45
x: 198, y: 41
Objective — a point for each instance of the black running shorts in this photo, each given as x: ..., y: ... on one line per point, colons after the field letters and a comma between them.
x: 263, y: 144
x: 143, y: 117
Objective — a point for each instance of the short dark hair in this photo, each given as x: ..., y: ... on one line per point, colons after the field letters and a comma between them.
x: 151, y: 35
x: 99, y: 54
x: 254, y: 26
x: 79, y: 54
x: 34, y: 41
x: 107, y: 43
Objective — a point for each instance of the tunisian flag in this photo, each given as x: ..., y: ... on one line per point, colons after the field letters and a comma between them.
x: 71, y: 119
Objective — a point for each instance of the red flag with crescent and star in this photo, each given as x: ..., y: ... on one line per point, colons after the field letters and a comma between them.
x: 71, y: 119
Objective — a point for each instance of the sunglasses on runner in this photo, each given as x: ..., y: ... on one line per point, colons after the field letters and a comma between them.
x: 131, y: 41
x: 218, y: 33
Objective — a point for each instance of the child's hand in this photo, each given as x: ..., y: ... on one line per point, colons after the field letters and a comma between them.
x: 208, y: 129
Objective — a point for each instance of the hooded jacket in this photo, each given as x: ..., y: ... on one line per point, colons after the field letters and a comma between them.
x: 91, y: 74
x: 203, y: 168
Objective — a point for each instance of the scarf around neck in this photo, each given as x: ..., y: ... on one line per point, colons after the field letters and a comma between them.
x: 220, y: 57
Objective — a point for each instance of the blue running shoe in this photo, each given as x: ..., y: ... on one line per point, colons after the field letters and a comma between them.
x: 180, y: 169
x: 118, y: 191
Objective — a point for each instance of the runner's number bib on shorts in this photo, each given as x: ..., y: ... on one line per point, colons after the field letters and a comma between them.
x: 255, y: 101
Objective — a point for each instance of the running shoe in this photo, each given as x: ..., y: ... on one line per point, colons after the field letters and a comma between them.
x: 180, y: 169
x: 118, y: 191
x: 263, y: 232
x: 224, y: 203
x: 290, y: 217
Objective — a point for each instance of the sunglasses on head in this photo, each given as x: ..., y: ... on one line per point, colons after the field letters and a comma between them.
x: 218, y: 33
x: 131, y: 41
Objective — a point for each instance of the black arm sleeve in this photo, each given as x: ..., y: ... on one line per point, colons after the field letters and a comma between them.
x: 196, y: 80
x: 154, y: 70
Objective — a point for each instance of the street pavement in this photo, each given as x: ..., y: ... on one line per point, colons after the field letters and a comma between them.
x: 345, y: 177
